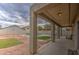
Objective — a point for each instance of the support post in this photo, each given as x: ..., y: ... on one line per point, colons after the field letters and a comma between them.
x: 33, y: 37
x: 53, y: 32
x: 59, y: 32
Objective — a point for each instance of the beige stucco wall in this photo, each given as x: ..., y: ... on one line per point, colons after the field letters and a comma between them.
x: 75, y: 33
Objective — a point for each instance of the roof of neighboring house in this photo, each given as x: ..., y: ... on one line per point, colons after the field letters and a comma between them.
x: 10, y: 27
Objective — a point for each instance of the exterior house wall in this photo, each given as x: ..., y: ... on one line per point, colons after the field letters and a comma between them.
x: 75, y: 33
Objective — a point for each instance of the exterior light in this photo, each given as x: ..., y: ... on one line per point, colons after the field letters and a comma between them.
x: 59, y: 13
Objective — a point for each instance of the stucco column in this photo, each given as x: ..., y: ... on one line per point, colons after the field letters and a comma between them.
x: 53, y: 32
x: 33, y: 37
x: 58, y: 32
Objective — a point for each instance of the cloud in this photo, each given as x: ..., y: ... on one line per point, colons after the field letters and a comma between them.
x: 6, y: 24
x: 4, y: 15
x: 14, y: 13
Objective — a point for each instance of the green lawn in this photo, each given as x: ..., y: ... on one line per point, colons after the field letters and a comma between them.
x: 4, y: 43
x: 43, y: 37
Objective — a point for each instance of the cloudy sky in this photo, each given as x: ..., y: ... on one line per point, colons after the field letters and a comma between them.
x: 14, y: 14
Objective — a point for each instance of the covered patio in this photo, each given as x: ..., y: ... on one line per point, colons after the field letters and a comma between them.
x: 64, y: 16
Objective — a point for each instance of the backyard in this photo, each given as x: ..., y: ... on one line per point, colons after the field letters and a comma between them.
x: 43, y: 37
x: 19, y: 44
x: 9, y: 42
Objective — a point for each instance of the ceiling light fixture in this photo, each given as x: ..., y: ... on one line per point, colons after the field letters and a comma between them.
x: 60, y: 13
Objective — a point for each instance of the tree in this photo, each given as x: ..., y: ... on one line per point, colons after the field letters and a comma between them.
x: 47, y: 27
x: 40, y: 28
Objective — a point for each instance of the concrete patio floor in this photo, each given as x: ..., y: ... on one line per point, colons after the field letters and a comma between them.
x: 60, y: 47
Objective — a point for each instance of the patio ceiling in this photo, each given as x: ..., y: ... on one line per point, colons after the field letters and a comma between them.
x: 63, y: 14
